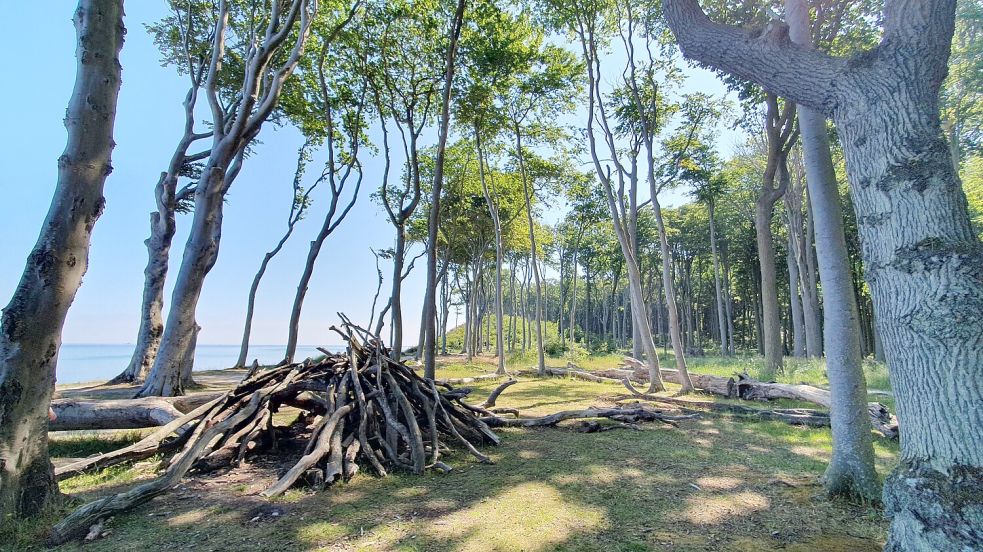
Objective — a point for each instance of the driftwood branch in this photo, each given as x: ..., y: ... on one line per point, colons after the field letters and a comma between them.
x: 363, y: 409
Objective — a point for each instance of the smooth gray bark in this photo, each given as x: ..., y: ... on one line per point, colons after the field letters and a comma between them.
x: 781, y: 134
x: 230, y: 138
x: 722, y: 312
x: 527, y: 192
x: 851, y: 468
x: 31, y: 326
x: 298, y: 206
x: 798, y: 322
x: 491, y: 200
x: 433, y: 223
x: 924, y: 263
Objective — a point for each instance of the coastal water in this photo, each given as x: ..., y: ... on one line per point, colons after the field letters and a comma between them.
x: 79, y: 363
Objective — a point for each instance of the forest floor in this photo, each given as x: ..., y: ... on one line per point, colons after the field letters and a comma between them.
x: 715, y: 483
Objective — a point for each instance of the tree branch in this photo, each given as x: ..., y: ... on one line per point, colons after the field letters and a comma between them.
x: 766, y: 56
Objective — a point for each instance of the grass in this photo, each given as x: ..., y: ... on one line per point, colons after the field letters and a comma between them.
x: 710, y: 484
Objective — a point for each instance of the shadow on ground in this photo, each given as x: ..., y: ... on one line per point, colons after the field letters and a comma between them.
x: 709, y: 484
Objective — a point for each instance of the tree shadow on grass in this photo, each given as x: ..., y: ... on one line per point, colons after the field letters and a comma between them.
x: 711, y: 484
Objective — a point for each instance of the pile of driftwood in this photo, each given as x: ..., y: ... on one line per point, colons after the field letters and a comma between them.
x: 360, y: 409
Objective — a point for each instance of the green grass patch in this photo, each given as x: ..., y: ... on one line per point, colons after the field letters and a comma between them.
x: 716, y: 483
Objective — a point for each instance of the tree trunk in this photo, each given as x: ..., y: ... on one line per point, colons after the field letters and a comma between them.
x: 671, y: 308
x: 923, y: 260
x: 399, y: 254
x: 811, y: 310
x: 433, y: 221
x: 30, y: 331
x: 798, y: 321
x: 251, y: 299
x: 851, y: 468
x: 200, y: 254
x: 722, y: 314
x: 770, y: 317
x: 162, y: 228
x: 188, y: 364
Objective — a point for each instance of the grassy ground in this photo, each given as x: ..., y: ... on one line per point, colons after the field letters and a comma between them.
x: 709, y: 484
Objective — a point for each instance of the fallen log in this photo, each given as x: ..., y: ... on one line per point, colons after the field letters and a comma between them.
x: 76, y: 414
x: 462, y: 381
x: 566, y: 372
x: 636, y: 414
x: 793, y: 416
x: 365, y: 408
x: 111, y: 414
x: 747, y: 388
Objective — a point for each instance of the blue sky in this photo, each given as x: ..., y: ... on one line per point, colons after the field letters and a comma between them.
x: 148, y: 123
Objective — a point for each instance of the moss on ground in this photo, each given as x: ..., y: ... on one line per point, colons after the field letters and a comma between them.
x: 715, y: 483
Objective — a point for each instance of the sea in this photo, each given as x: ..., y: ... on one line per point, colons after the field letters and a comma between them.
x: 84, y: 363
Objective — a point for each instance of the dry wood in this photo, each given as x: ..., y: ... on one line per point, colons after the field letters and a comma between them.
x: 74, y: 414
x: 493, y: 396
x: 111, y: 414
x: 745, y: 387
x: 633, y: 414
x: 366, y: 409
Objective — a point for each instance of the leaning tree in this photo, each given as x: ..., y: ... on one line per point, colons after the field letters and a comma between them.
x: 236, y: 120
x: 30, y: 332
x: 923, y: 262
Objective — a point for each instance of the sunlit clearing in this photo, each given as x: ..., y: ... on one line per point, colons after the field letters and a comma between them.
x: 532, y: 516
x: 711, y: 510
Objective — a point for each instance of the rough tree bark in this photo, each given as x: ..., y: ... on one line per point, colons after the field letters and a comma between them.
x: 924, y: 263
x: 30, y: 331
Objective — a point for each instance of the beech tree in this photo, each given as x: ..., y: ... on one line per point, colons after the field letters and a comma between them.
x: 922, y: 259
x: 429, y: 315
x: 403, y: 45
x: 300, y: 202
x: 781, y: 133
x: 851, y: 469
x: 339, y: 96
x: 236, y: 121
x: 31, y: 326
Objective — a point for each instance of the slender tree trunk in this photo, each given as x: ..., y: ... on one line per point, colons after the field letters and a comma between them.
x: 770, y: 315
x: 399, y: 254
x: 811, y: 310
x: 798, y: 321
x: 251, y: 299
x: 721, y: 313
x: 573, y: 298
x: 851, y: 468
x: 430, y: 294
x: 30, y: 331
x: 672, y: 309
x: 527, y: 193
